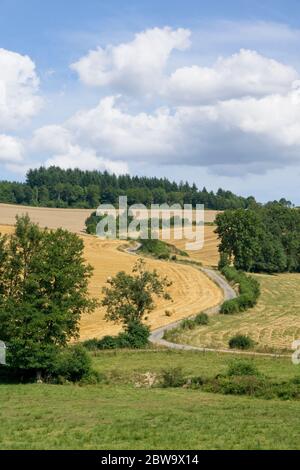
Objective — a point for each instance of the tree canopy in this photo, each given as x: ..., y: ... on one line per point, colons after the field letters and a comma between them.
x: 264, y: 239
x: 130, y: 297
x: 43, y: 293
x: 55, y: 187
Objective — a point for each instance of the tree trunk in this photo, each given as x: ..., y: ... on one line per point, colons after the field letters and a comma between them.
x: 39, y: 379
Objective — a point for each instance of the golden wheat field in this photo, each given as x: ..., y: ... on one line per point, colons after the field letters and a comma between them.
x: 208, y: 255
x: 273, y: 324
x: 74, y: 219
x: 191, y: 291
x: 70, y: 219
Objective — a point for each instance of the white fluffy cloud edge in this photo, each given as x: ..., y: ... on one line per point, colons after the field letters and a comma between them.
x: 239, y: 116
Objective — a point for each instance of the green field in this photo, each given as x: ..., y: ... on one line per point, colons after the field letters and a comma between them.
x: 116, y: 415
x: 274, y: 323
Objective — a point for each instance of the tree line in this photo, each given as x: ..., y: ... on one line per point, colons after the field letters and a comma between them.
x: 264, y: 239
x: 55, y: 187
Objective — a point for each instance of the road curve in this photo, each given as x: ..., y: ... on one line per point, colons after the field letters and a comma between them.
x: 156, y: 336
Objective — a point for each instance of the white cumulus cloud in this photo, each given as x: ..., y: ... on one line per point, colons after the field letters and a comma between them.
x: 247, y: 134
x: 239, y: 116
x: 86, y: 159
x: 11, y: 149
x: 19, y: 86
x: 135, y: 66
x: 246, y: 73
x: 61, y: 148
x: 119, y: 133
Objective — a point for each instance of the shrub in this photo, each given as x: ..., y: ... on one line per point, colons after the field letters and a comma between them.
x: 243, y: 378
x: 242, y: 367
x: 172, y: 377
x: 160, y: 249
x: 241, y: 342
x: 136, y: 336
x: 245, y: 301
x: 237, y: 385
x: 229, y: 307
x: 108, y: 342
x: 157, y: 248
x: 201, y: 319
x: 93, y: 378
x: 91, y: 344
x: 163, y: 256
x: 187, y: 324
x: 224, y: 261
x: 72, y: 363
x: 287, y: 390
x: 249, y: 291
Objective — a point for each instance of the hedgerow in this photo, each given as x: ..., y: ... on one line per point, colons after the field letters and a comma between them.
x: 249, y: 291
x: 241, y: 378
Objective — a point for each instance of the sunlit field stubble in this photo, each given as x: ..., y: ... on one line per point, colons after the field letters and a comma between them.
x: 274, y: 323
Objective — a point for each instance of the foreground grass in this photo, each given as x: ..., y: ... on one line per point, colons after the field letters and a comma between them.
x: 104, y: 417
x: 118, y: 416
x: 122, y: 366
x: 273, y: 324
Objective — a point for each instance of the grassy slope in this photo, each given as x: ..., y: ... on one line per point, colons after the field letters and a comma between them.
x: 118, y: 416
x: 274, y: 323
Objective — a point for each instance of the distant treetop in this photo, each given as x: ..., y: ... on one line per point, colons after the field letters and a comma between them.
x: 55, y: 187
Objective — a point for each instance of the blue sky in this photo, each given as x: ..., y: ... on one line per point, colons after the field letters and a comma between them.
x: 207, y: 91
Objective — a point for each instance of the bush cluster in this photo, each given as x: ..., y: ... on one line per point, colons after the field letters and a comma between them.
x: 241, y: 342
x: 70, y: 364
x: 160, y: 249
x: 136, y: 336
x: 249, y: 291
x: 241, y: 378
x: 191, y: 323
x: 242, y: 367
x: 259, y: 387
x: 172, y: 377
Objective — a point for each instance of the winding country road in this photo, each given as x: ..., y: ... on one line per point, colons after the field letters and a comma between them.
x: 156, y: 336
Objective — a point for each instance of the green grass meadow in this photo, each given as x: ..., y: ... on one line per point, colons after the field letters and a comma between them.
x: 116, y: 415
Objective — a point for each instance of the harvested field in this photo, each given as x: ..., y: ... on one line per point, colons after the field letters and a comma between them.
x: 70, y: 219
x: 273, y: 324
x: 74, y: 220
x: 191, y: 291
x: 208, y: 255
